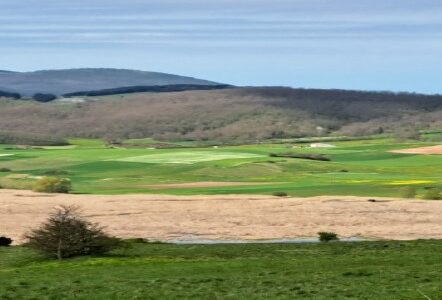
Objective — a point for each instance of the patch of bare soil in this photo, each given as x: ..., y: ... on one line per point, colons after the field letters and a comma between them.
x: 421, y: 150
x: 230, y: 217
x: 202, y: 184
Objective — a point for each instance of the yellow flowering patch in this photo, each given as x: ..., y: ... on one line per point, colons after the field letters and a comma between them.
x: 403, y: 182
x: 359, y: 181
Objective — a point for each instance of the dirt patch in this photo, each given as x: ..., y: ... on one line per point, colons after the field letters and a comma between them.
x: 17, y: 176
x: 421, y: 150
x: 203, y: 184
x: 230, y: 217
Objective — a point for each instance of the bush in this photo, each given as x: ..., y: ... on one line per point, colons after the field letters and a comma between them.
x: 52, y: 185
x: 67, y: 234
x: 433, y: 194
x: 408, y: 192
x: 311, y: 156
x: 55, y: 172
x: 5, y: 241
x: 5, y: 170
x: 280, y: 194
x: 327, y: 236
x: 44, y: 97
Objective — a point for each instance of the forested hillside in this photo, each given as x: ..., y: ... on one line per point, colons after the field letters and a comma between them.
x: 243, y: 114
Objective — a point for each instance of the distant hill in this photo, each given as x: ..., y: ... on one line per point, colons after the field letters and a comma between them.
x: 60, y: 82
x: 226, y: 115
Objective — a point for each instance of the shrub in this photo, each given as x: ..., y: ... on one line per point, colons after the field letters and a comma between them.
x: 327, y: 236
x: 408, y: 192
x: 44, y: 97
x: 280, y: 194
x: 52, y: 185
x: 433, y: 194
x: 67, y: 234
x: 55, y: 172
x: 5, y: 241
x: 311, y: 156
x: 5, y: 170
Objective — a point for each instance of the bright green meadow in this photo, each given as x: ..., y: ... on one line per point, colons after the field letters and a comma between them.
x: 338, y: 270
x: 363, y: 167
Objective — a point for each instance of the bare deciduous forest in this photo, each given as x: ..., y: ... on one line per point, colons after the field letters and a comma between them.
x: 243, y: 114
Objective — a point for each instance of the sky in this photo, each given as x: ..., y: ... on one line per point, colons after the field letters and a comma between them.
x: 391, y: 45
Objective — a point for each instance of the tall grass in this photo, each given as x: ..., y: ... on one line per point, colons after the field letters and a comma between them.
x: 16, y: 184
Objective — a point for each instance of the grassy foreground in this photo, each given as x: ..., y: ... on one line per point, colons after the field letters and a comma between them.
x: 362, y: 168
x: 360, y: 270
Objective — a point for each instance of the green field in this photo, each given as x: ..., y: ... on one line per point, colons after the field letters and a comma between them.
x: 363, y: 168
x: 187, y: 157
x: 355, y: 270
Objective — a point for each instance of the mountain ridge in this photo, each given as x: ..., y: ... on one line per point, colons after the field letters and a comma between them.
x: 64, y: 81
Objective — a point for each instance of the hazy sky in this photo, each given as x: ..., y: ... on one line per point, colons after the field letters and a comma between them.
x: 353, y: 44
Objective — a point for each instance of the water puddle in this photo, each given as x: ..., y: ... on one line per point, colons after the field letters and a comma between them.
x: 197, y: 241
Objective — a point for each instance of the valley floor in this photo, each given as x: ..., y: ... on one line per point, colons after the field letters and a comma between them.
x: 355, y: 168
x: 230, y: 217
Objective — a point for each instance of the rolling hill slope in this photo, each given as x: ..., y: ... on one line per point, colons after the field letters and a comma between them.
x: 74, y: 80
x: 240, y: 114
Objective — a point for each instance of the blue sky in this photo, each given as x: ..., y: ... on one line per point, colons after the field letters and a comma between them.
x: 352, y: 44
